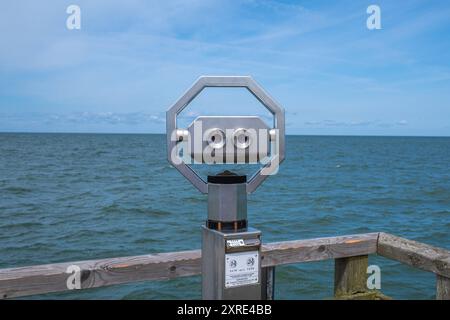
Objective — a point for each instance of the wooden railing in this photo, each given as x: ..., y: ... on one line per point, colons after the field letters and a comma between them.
x: 350, y: 254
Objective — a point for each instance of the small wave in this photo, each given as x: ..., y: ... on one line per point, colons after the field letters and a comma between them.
x: 387, y: 201
x: 24, y: 225
x: 100, y: 152
x: 443, y: 213
x: 323, y: 221
x: 18, y: 190
x: 112, y: 208
x: 437, y: 192
x: 194, y: 199
x: 158, y: 213
x: 146, y: 241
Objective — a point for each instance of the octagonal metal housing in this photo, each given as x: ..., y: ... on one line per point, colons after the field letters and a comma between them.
x: 225, y: 81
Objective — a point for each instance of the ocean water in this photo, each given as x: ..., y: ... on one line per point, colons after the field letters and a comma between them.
x: 69, y: 197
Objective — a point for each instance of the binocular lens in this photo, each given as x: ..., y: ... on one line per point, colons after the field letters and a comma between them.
x: 242, y: 139
x: 216, y: 138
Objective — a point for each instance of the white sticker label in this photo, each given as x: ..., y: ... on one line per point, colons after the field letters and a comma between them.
x: 241, y: 268
x: 235, y: 243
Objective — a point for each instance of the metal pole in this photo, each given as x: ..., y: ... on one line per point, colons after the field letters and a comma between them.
x: 231, y: 252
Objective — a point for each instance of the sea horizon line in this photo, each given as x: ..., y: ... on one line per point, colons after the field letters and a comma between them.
x: 162, y: 133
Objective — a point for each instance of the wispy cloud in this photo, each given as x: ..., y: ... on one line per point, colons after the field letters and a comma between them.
x: 106, y: 118
x: 83, y: 121
x: 361, y: 123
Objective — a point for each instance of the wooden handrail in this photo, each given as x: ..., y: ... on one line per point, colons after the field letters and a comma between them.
x: 416, y: 254
x: 16, y: 282
x: 23, y: 281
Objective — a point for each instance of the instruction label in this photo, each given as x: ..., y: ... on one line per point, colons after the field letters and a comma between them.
x: 241, y: 268
x: 235, y: 243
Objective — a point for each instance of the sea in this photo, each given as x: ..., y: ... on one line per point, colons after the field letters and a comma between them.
x: 72, y: 197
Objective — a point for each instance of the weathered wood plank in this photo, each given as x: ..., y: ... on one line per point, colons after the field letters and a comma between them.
x: 442, y: 288
x: 15, y: 282
x: 368, y: 295
x: 416, y: 254
x: 319, y: 249
x: 350, y: 275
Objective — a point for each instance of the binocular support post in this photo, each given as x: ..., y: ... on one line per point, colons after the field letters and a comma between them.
x: 231, y: 252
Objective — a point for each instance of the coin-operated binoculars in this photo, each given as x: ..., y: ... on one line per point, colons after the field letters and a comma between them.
x: 231, y: 251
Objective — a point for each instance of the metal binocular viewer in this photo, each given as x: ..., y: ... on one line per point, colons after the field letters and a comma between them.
x: 231, y: 260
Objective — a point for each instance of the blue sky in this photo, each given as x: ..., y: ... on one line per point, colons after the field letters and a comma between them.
x: 132, y: 59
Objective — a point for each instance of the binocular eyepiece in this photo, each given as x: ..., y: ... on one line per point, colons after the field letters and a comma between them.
x: 225, y: 139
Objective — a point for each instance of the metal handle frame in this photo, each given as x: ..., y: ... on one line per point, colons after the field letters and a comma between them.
x: 225, y: 81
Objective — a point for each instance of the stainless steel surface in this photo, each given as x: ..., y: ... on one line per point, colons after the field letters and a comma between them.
x: 224, y: 81
x: 182, y: 135
x: 213, y: 265
x: 214, y: 139
x: 227, y: 202
x: 273, y: 134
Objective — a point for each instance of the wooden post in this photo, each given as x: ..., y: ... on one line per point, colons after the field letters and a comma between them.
x: 442, y: 288
x: 268, y: 281
x: 350, y: 276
